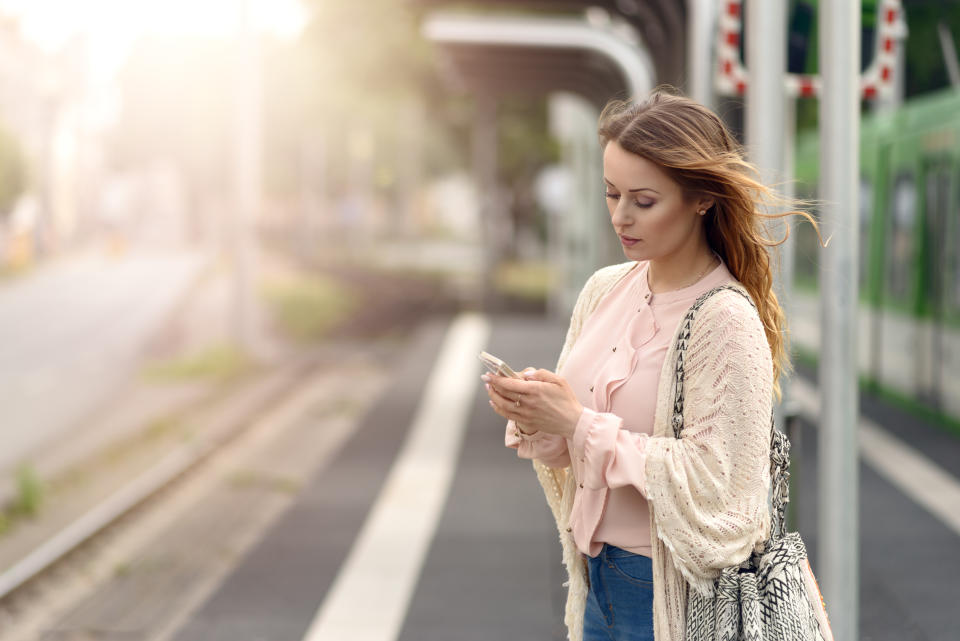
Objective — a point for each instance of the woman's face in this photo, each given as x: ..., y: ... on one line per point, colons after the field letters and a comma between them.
x: 647, y: 208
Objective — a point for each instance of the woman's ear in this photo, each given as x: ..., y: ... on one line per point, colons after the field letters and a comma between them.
x: 704, y: 204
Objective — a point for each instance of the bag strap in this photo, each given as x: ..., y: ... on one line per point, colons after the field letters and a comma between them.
x: 779, y: 443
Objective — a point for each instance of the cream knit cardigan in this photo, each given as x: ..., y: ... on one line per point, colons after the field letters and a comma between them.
x: 708, y: 490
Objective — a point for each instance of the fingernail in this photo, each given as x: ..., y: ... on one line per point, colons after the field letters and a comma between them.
x: 485, y: 377
x: 487, y: 385
x: 491, y: 403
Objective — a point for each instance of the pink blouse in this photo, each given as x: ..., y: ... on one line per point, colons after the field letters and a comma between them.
x: 614, y: 369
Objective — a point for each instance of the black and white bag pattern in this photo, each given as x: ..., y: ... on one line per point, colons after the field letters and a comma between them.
x: 764, y: 598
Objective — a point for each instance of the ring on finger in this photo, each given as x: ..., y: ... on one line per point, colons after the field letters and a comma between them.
x: 518, y: 400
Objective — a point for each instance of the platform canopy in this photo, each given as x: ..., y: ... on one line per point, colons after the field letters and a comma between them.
x: 659, y: 28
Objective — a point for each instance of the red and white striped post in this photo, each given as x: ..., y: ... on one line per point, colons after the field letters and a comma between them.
x: 875, y: 82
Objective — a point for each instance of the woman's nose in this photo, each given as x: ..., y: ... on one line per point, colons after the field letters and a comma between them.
x: 619, y: 216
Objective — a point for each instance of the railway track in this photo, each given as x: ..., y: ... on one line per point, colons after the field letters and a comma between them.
x: 69, y: 556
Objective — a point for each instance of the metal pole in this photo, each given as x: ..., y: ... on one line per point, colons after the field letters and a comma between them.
x: 788, y: 411
x: 766, y: 123
x: 556, y: 219
x: 787, y: 249
x: 838, y: 566
x: 949, y: 50
x: 701, y: 27
x: 484, y: 145
x: 408, y: 161
x: 766, y: 49
x: 247, y: 177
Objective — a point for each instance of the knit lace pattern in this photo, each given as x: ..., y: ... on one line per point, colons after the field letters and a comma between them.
x: 708, y: 490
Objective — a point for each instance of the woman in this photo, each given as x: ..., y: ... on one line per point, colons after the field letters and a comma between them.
x: 643, y: 516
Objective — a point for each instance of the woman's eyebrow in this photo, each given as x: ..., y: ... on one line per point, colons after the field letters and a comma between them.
x: 634, y: 190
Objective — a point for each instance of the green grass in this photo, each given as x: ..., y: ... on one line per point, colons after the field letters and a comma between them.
x: 247, y: 479
x: 29, y: 491
x: 218, y: 363
x: 307, y: 308
x: 26, y: 502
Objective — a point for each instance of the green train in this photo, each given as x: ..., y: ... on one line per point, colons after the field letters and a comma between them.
x: 909, y: 263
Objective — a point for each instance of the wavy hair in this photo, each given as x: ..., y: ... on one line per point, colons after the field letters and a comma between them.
x: 693, y: 146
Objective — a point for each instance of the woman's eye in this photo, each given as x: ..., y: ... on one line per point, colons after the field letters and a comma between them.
x: 643, y: 205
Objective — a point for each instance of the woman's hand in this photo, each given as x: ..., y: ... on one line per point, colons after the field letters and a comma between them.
x: 546, y: 401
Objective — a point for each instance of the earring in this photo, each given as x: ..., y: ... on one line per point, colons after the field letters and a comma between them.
x: 702, y: 212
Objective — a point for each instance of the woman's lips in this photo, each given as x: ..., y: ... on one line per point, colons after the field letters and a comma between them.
x: 628, y: 242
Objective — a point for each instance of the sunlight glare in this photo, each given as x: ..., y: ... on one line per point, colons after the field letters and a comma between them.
x: 113, y: 25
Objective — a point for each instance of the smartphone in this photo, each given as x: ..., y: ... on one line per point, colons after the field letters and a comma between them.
x: 496, y: 366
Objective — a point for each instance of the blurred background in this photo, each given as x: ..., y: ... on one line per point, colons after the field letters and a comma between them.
x: 206, y: 207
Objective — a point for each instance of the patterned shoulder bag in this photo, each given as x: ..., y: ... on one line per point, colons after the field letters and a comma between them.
x: 771, y: 596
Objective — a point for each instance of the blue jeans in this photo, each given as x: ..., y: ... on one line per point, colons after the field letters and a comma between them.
x: 620, y: 601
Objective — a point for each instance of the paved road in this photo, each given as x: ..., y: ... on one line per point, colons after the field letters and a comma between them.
x: 492, y: 569
x: 72, y: 330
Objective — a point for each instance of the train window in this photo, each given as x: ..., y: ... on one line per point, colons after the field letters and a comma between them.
x: 903, y: 212
x: 952, y: 271
x: 935, y: 222
x: 866, y: 215
x: 904, y: 201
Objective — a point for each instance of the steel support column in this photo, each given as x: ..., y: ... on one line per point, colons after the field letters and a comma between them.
x: 247, y: 179
x: 701, y: 31
x: 484, y: 146
x: 839, y: 565
x: 766, y: 126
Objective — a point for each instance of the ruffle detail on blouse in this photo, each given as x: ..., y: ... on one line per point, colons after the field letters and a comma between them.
x: 640, y: 331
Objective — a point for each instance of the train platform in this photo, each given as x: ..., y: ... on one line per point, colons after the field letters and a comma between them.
x: 418, y: 525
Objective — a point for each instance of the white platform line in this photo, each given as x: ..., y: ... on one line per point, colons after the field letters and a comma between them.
x: 369, y: 597
x: 929, y: 485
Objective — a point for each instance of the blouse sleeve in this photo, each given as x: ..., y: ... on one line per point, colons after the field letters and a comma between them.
x: 612, y: 455
x: 708, y: 490
x: 550, y: 449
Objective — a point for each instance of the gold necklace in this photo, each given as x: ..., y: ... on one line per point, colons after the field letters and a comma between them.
x: 693, y: 282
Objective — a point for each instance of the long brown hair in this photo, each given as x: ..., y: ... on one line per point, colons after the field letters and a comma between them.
x: 694, y: 147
